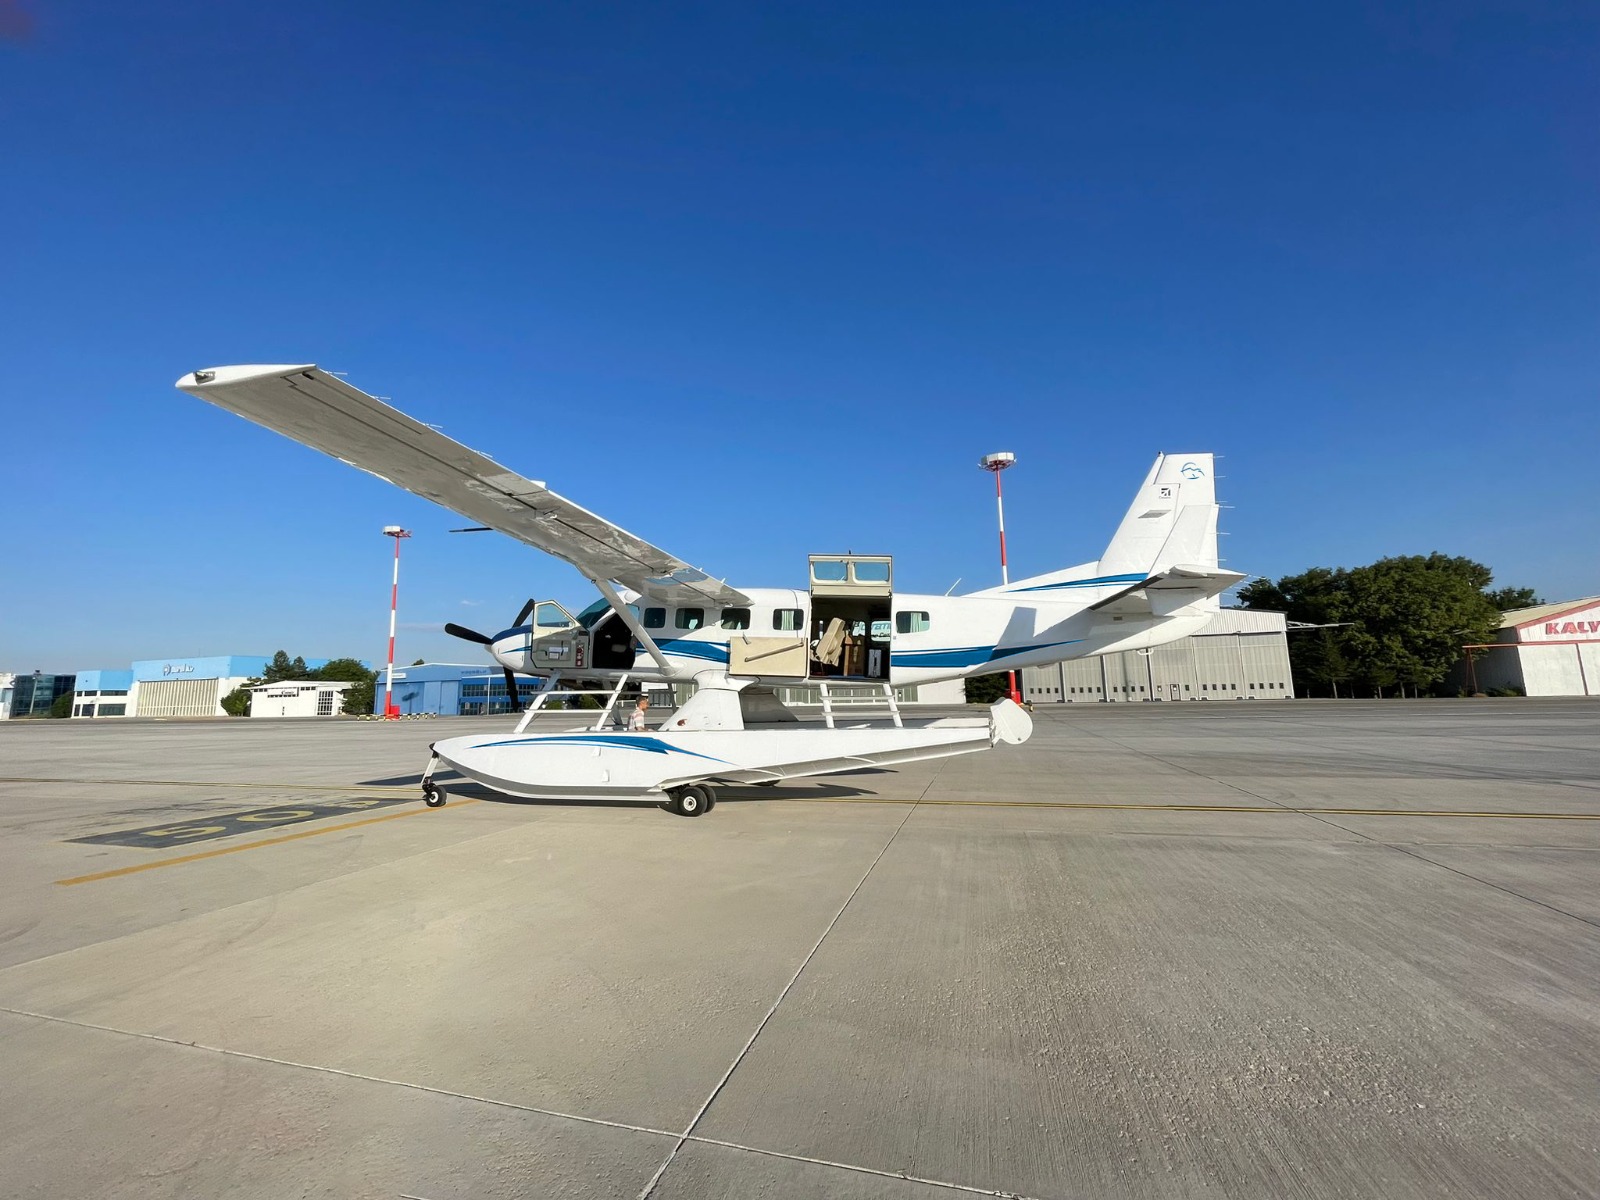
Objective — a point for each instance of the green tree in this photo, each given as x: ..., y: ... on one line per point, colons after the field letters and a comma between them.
x: 358, y: 699
x: 61, y: 706
x: 1508, y: 598
x: 282, y: 667
x: 1401, y: 622
x: 986, y: 689
x: 237, y: 702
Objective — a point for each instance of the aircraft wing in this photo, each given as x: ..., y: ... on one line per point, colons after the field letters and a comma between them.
x: 1164, y: 593
x: 314, y: 407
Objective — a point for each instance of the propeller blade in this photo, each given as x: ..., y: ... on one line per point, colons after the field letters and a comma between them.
x: 511, y: 690
x: 467, y: 635
x: 475, y: 529
x: 522, y: 616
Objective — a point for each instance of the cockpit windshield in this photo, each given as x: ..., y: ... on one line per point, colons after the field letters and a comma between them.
x: 593, y: 613
x: 597, y: 612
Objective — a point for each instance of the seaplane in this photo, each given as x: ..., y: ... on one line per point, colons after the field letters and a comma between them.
x: 659, y: 619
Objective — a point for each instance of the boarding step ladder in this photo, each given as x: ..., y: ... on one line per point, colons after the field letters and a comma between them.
x: 886, y: 690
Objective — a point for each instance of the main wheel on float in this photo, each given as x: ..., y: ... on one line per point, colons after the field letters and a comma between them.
x: 691, y: 801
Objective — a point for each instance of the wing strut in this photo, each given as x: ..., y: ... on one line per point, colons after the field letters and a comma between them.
x: 620, y: 607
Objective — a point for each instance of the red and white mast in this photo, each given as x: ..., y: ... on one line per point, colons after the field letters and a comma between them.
x: 394, y: 531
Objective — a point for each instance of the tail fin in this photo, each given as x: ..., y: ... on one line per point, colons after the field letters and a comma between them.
x: 1172, y: 522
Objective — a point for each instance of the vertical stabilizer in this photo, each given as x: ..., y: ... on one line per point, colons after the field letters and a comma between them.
x: 1172, y: 522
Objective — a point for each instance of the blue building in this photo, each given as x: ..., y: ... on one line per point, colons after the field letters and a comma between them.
x: 452, y: 689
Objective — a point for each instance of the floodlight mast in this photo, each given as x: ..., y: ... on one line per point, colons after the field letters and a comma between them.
x: 391, y: 713
x: 996, y: 463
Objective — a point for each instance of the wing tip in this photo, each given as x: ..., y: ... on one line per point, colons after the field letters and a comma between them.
x: 211, y: 377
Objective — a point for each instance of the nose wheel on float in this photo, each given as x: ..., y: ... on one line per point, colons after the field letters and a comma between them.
x: 433, y: 795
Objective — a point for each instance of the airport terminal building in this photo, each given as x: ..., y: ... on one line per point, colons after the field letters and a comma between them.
x: 1242, y: 654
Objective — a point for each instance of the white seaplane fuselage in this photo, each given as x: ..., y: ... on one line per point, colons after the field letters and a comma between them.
x: 1002, y: 630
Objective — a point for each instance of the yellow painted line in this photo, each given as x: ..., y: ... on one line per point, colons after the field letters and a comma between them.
x: 1204, y: 808
x: 275, y: 787
x: 276, y: 841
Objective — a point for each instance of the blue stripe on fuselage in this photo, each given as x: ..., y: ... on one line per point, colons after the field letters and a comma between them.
x: 685, y: 648
x: 1098, y: 581
x: 967, y: 656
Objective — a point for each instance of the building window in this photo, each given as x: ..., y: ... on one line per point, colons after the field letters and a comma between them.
x: 788, y: 620
x: 691, y: 618
x: 113, y: 710
x: 736, y: 618
x: 911, y: 622
x: 655, y: 618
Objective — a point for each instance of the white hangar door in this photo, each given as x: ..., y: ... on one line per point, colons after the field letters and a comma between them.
x: 179, y: 698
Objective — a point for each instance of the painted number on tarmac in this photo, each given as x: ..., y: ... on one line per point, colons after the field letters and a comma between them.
x: 223, y: 825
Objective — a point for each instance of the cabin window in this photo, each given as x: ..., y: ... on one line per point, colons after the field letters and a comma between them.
x: 830, y: 570
x: 655, y: 618
x: 872, y: 572
x: 788, y: 620
x: 911, y: 622
x: 691, y: 618
x: 736, y: 618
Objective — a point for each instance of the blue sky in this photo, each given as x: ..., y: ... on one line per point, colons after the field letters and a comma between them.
x: 757, y: 281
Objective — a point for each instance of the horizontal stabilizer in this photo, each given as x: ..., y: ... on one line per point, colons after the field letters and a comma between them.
x: 1165, y: 593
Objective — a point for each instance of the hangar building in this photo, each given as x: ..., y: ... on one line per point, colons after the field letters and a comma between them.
x: 1547, y: 650
x: 167, y: 687
x: 1243, y: 654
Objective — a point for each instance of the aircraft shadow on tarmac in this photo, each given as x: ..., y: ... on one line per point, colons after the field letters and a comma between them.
x: 456, y: 785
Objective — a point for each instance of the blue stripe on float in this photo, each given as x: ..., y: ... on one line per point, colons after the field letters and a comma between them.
x: 612, y: 741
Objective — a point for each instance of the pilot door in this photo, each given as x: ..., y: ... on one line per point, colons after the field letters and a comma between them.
x: 852, y: 596
x: 557, y: 641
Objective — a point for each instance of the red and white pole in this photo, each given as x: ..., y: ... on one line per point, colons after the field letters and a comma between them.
x: 1000, y: 508
x: 389, y: 710
x: 997, y: 463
